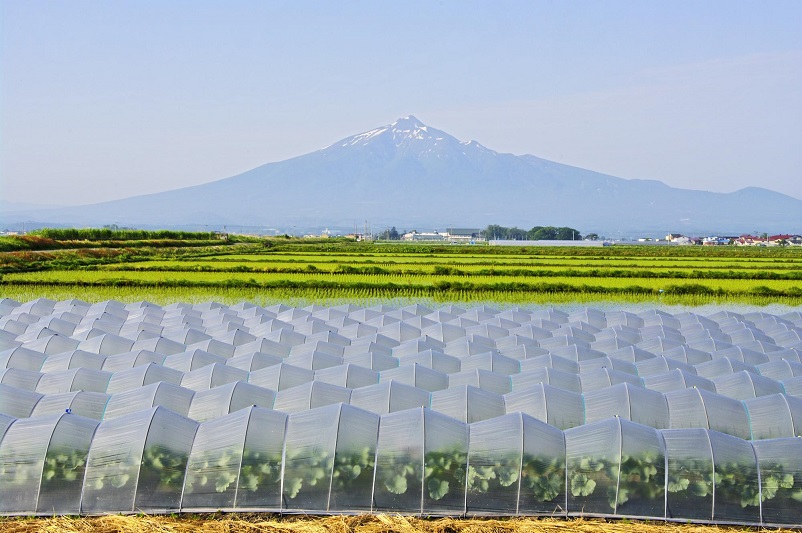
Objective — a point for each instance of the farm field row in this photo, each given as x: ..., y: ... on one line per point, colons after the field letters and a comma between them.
x: 422, y: 281
x: 495, y: 259
x: 271, y: 263
x: 369, y: 296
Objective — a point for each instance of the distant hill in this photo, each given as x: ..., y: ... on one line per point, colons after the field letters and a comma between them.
x: 413, y: 176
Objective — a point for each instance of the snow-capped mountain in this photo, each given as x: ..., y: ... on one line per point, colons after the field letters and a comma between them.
x: 411, y: 175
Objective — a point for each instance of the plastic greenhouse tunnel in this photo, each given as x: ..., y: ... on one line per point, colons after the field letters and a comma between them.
x: 137, y: 408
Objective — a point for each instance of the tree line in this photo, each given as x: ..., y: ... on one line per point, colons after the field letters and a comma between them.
x: 537, y: 233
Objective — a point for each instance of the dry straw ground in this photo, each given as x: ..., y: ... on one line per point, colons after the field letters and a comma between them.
x: 343, y: 524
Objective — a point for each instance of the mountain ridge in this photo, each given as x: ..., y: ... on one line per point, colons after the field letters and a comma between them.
x: 408, y: 174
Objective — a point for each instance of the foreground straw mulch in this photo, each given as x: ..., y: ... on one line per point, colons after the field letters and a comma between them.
x: 343, y: 524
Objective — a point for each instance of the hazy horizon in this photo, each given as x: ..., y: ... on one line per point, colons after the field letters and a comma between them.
x: 101, y: 101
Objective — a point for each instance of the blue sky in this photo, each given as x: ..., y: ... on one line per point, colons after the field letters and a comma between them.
x: 104, y: 100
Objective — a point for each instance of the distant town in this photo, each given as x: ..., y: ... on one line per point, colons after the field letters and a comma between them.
x: 496, y: 235
x: 548, y: 235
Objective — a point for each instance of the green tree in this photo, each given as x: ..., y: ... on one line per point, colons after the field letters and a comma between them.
x: 547, y: 233
x: 494, y: 231
x: 516, y: 234
x: 568, y: 234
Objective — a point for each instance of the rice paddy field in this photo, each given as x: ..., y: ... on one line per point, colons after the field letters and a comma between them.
x: 298, y: 274
x: 368, y: 273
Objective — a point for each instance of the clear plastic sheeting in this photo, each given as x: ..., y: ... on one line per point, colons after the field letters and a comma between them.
x: 20, y: 379
x: 137, y: 463
x: 309, y: 396
x: 133, y: 359
x: 615, y: 467
x: 329, y: 459
x: 780, y: 464
x: 106, y: 344
x: 417, y: 376
x: 42, y: 462
x: 660, y: 365
x: 220, y: 401
x: 720, y: 367
x: 515, y: 466
x: 549, y: 376
x: 632, y: 403
x: 490, y: 361
x: 736, y: 483
x: 86, y: 404
x: 743, y: 385
x: 73, y: 380
x: 601, y: 378
x: 347, y: 375
x: 141, y: 376
x: 697, y: 408
x: 677, y: 380
x: 421, y: 462
x: 23, y: 358
x: 558, y: 407
x: 483, y: 379
x: 608, y: 362
x: 433, y: 359
x: 468, y: 403
x: 781, y: 369
x: 474, y: 407
x: 5, y: 423
x: 250, y: 362
x: 774, y: 416
x: 371, y: 359
x: 792, y: 386
x: 236, y: 462
x: 17, y: 403
x: 173, y: 397
x: 187, y: 361
x: 73, y: 359
x: 281, y: 376
x: 211, y: 376
x: 390, y: 397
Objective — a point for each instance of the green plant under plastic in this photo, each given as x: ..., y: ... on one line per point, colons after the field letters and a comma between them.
x: 542, y: 478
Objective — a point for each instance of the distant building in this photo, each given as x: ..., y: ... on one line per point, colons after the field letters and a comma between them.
x: 425, y: 236
x: 715, y: 240
x: 750, y: 240
x: 678, y: 238
x: 464, y: 235
x: 784, y: 240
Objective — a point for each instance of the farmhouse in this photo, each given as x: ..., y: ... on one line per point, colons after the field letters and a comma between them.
x: 751, y: 240
x: 784, y: 240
